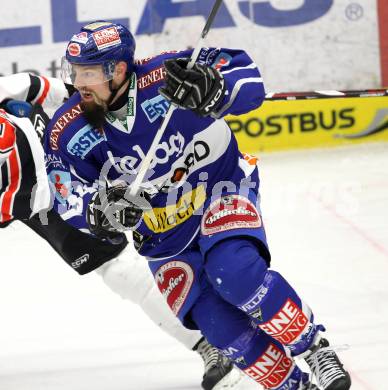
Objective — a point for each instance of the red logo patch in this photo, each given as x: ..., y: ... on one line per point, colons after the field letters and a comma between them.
x: 230, y: 212
x: 74, y: 49
x: 271, y: 369
x: 174, y: 281
x: 106, y: 38
x: 287, y: 325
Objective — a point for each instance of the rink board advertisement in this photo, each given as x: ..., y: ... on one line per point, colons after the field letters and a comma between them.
x: 282, y: 125
x: 298, y: 44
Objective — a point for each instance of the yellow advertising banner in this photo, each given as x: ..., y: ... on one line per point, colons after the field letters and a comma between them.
x: 293, y: 124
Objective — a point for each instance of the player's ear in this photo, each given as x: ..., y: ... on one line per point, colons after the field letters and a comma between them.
x: 120, y: 69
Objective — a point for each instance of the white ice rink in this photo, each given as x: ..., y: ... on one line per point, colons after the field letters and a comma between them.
x: 326, y: 214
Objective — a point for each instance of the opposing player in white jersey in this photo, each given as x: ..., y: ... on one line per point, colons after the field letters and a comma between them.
x: 25, y: 196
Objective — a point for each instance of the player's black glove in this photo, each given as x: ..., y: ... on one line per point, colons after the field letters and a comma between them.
x: 200, y: 89
x: 110, y: 212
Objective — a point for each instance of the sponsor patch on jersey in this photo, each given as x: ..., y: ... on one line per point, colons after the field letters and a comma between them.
x: 60, y: 182
x: 74, y: 49
x: 82, y: 37
x: 207, y: 56
x: 271, y: 368
x: 151, y: 78
x: 253, y: 304
x: 61, y: 124
x: 155, y: 108
x: 160, y: 220
x: 223, y: 59
x: 106, y: 38
x: 201, y: 151
x: 53, y: 161
x: 286, y: 325
x: 230, y: 212
x: 84, y: 141
x: 174, y: 281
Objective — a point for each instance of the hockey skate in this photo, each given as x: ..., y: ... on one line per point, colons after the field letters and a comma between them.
x: 219, y: 370
x: 327, y: 368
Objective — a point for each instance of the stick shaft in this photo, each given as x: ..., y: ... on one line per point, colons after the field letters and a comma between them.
x: 210, y: 19
x: 326, y: 94
x: 148, y: 158
x: 150, y: 155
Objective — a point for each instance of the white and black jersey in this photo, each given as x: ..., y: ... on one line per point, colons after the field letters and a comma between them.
x: 48, y: 92
x: 24, y: 190
x: 24, y: 187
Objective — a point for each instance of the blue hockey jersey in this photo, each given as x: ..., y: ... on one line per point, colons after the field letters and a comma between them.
x: 196, y: 158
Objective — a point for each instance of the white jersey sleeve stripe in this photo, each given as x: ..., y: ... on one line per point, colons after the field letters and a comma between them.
x: 235, y: 92
x: 250, y: 66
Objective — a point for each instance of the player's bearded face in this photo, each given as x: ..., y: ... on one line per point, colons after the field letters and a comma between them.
x: 94, y: 89
x: 94, y: 107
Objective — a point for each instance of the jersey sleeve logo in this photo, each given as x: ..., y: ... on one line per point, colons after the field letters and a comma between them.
x: 174, y: 281
x: 151, y: 78
x: 230, y: 212
x: 62, y: 122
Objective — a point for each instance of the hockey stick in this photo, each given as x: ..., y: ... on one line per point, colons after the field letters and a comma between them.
x: 148, y: 158
x: 274, y: 96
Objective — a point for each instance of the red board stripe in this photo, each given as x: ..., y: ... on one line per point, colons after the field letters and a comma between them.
x: 383, y: 28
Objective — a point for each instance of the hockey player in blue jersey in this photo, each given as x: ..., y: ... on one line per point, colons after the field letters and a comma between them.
x: 197, y: 217
x: 25, y: 196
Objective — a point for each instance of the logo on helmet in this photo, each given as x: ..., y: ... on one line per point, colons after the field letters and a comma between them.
x: 106, y: 38
x: 82, y: 37
x: 74, y: 49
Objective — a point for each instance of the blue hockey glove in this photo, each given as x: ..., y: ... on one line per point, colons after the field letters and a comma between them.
x: 200, y: 89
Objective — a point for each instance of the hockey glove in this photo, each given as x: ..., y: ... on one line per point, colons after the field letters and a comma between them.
x: 110, y: 212
x: 200, y: 89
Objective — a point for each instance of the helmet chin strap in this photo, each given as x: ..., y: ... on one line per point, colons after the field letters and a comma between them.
x: 114, y: 91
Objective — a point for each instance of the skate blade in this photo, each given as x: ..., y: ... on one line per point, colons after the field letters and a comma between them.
x: 229, y: 381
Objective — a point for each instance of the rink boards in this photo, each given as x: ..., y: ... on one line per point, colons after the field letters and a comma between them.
x: 282, y: 125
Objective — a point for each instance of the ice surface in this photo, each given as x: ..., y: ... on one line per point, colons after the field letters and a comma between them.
x: 326, y: 214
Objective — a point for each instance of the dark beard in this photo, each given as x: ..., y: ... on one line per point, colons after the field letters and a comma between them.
x: 94, y: 114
